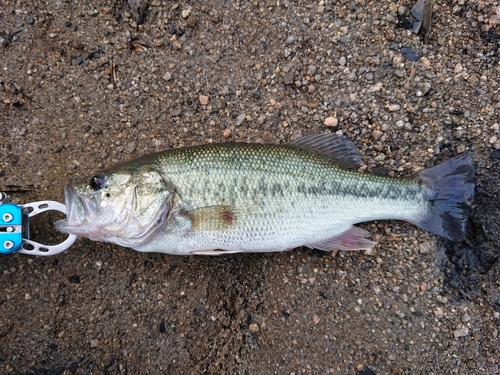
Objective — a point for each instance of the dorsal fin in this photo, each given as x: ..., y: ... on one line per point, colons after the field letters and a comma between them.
x: 337, y: 147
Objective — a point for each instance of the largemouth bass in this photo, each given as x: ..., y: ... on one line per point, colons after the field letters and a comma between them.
x: 229, y: 198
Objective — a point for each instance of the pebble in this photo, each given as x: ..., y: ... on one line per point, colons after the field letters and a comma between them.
x: 254, y: 327
x: 399, y: 73
x: 376, y: 87
x: 461, y: 332
x: 331, y: 121
x: 186, y: 12
x: 157, y: 42
x: 240, y: 119
x: 376, y: 134
x: 316, y: 319
x: 204, y: 99
x: 438, y: 312
x: 458, y: 68
x: 94, y: 343
x: 466, y: 318
x: 342, y: 61
x: 397, y: 60
x: 226, y: 133
x: 410, y: 54
x: 191, y: 21
x: 167, y: 76
x: 393, y: 107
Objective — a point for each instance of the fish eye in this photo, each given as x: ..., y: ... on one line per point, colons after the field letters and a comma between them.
x: 97, y: 182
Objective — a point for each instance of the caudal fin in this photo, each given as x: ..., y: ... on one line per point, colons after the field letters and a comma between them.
x: 451, y: 185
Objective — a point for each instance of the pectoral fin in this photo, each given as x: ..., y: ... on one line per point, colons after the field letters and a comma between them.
x: 352, y: 239
x: 213, y: 218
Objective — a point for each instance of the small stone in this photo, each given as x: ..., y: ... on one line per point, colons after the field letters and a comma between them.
x: 331, y: 121
x: 438, y: 312
x: 157, y: 42
x: 399, y: 73
x: 376, y: 87
x: 460, y: 149
x: 342, y: 61
x: 186, y: 12
x: 316, y: 319
x: 240, y: 119
x: 167, y: 76
x: 397, y: 60
x: 254, y: 327
x: 466, y: 318
x: 461, y: 332
x: 410, y: 54
x: 191, y: 21
x: 226, y: 133
x: 30, y: 20
x: 261, y: 119
x: 376, y: 134
x: 175, y: 111
x: 425, y: 248
x: 76, y: 44
x: 458, y: 68
x: 94, y: 343
x: 393, y: 107
x: 204, y: 99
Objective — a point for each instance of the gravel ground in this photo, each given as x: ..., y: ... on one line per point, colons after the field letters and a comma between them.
x: 83, y: 86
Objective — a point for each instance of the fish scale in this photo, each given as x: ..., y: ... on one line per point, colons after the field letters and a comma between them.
x: 236, y: 197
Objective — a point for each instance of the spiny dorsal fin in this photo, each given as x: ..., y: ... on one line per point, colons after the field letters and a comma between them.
x: 337, y: 147
x: 212, y: 218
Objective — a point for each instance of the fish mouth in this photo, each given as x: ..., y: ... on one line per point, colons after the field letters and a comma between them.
x: 78, y: 210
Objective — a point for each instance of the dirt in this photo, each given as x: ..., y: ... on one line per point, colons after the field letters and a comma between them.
x: 83, y: 86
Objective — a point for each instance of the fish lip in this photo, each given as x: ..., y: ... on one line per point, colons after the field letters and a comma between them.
x: 76, y: 210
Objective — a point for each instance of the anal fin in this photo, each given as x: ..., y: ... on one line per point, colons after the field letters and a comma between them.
x: 352, y: 239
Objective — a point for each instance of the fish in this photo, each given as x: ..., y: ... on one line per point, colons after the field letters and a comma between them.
x: 229, y: 198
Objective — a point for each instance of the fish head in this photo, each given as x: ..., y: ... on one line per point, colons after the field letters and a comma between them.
x: 126, y: 205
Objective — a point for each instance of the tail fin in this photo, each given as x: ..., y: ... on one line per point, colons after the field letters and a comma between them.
x: 452, y: 189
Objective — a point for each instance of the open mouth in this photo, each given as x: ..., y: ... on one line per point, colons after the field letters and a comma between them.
x: 77, y: 209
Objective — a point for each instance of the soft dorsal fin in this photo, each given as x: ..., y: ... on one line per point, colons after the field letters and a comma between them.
x: 337, y: 147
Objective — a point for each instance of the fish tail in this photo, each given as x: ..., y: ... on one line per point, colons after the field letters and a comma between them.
x: 451, y: 186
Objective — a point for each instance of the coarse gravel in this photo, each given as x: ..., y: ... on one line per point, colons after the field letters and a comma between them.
x: 83, y: 86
